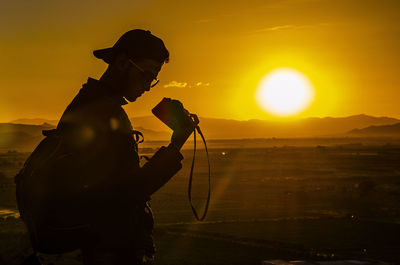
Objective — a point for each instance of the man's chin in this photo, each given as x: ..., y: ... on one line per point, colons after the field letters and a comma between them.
x: 131, y: 98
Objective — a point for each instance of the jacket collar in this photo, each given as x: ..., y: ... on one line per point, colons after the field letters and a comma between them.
x: 104, y: 90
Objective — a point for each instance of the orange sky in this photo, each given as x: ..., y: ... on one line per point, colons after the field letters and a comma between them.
x: 220, y: 49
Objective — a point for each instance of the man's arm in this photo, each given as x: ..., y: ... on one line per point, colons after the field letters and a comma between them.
x: 142, y: 182
x: 164, y: 164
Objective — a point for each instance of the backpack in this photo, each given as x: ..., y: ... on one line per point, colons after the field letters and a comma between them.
x: 49, y: 197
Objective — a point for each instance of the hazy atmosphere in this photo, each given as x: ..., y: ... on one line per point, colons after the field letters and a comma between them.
x: 220, y: 51
x: 297, y: 101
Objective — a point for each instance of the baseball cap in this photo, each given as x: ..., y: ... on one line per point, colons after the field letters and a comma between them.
x: 137, y: 44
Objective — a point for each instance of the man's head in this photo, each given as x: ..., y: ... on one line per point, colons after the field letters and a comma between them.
x: 134, y: 62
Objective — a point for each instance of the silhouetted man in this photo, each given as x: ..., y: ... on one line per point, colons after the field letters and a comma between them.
x: 100, y: 135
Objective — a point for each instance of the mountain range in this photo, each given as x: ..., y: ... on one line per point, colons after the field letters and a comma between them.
x: 310, y: 127
x: 392, y: 130
x: 26, y: 133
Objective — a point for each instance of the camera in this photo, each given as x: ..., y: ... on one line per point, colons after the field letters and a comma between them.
x: 174, y: 115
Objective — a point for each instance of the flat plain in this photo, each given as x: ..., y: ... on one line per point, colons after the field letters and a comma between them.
x: 320, y: 202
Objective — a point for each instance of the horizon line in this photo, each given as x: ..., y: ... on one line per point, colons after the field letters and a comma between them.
x: 283, y: 119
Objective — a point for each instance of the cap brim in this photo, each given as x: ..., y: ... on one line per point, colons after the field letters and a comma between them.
x: 107, y: 55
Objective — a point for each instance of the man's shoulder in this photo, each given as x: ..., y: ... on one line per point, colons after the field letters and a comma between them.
x: 92, y: 107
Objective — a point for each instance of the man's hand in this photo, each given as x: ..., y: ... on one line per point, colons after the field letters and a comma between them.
x: 182, y: 126
x: 179, y: 138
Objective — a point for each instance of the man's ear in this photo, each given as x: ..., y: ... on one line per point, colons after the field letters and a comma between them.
x: 121, y: 62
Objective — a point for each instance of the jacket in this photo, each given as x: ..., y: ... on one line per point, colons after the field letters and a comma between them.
x: 97, y: 131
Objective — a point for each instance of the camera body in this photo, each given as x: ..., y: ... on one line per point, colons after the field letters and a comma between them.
x: 174, y: 115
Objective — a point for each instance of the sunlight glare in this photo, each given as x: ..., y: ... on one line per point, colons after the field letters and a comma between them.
x: 284, y: 92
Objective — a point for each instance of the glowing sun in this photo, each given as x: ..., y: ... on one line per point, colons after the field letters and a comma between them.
x: 284, y: 92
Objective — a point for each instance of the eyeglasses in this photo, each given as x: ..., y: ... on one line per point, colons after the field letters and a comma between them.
x: 147, y: 75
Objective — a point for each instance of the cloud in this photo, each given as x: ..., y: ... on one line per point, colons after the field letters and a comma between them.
x: 202, y: 84
x: 283, y: 27
x: 290, y: 27
x: 205, y: 20
x: 185, y: 84
x: 176, y: 84
x: 277, y: 28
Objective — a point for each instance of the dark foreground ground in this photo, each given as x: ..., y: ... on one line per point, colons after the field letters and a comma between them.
x: 318, y: 202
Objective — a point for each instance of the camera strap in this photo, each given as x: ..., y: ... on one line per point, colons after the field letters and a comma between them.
x: 191, y: 177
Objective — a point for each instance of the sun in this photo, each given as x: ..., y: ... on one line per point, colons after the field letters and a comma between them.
x: 284, y: 92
